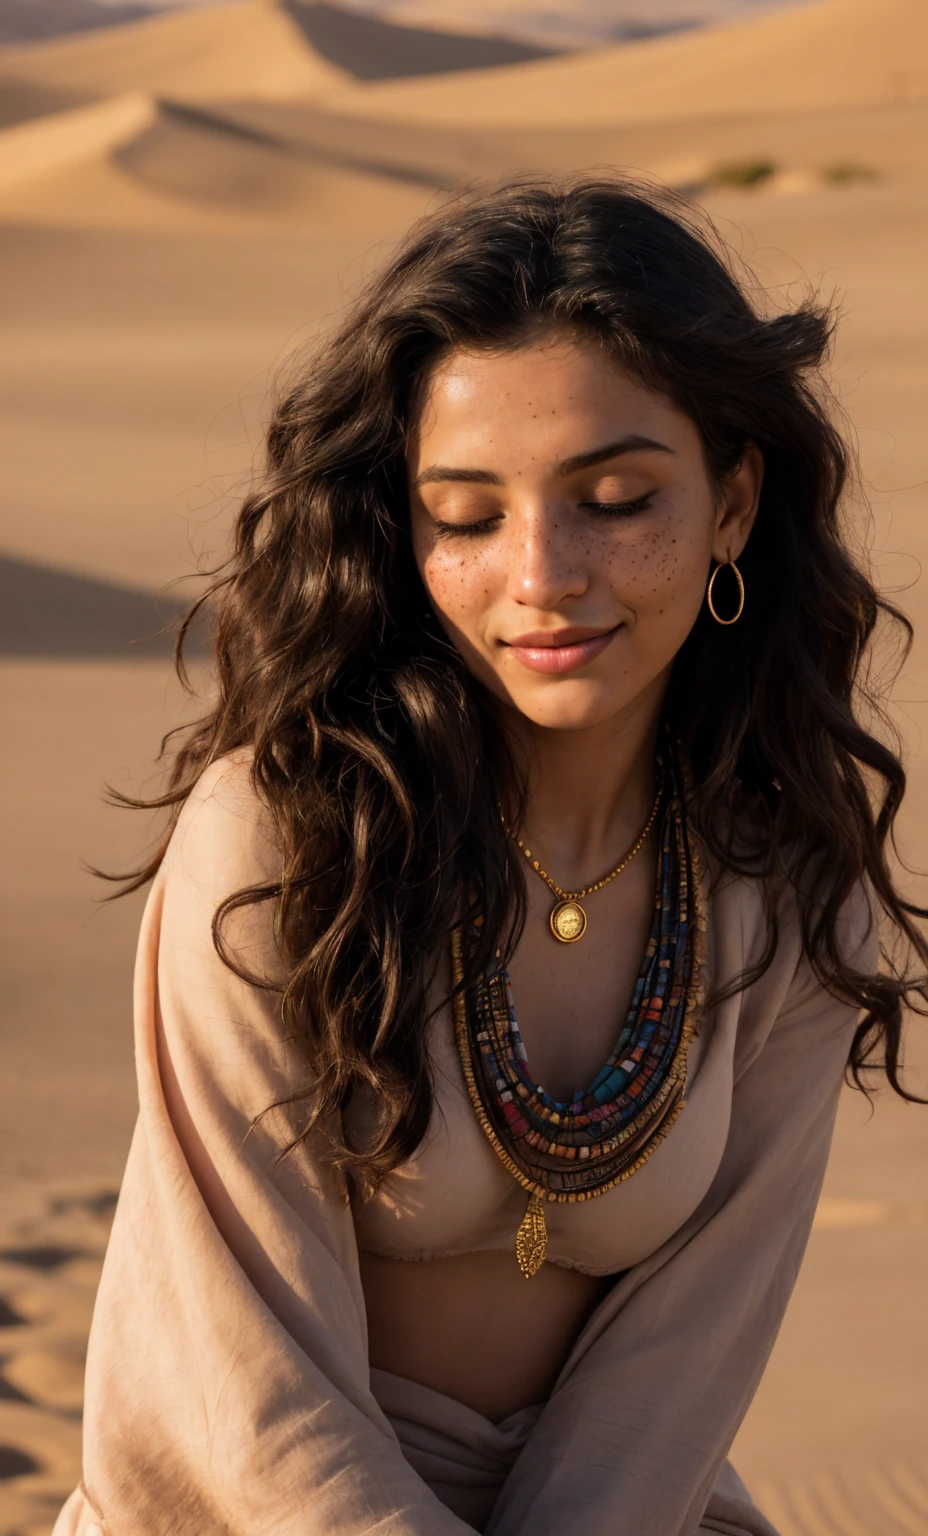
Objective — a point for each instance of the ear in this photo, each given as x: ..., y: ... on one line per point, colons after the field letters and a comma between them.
x: 738, y: 499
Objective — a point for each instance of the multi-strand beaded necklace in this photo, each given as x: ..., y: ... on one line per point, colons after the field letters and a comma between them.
x: 567, y: 1152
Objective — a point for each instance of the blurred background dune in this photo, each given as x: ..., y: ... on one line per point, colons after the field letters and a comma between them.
x: 188, y: 197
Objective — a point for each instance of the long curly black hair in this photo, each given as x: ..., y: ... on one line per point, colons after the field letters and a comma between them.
x: 381, y: 758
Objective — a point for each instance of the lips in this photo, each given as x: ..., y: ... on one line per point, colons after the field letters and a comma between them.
x: 560, y: 650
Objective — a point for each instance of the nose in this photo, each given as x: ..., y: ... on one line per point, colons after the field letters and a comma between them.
x: 547, y: 564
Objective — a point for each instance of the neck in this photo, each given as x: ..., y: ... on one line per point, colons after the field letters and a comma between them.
x: 590, y: 790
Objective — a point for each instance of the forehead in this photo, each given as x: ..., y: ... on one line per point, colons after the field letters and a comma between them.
x: 557, y: 391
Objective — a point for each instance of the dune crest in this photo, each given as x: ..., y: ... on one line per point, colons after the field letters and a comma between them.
x: 837, y: 53
x: 63, y: 139
x: 243, y: 48
x: 587, y: 23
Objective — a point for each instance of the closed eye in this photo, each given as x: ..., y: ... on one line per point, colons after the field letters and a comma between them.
x: 464, y: 530
x: 619, y: 508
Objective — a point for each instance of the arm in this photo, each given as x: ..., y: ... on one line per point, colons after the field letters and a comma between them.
x: 228, y: 1387
x: 646, y: 1409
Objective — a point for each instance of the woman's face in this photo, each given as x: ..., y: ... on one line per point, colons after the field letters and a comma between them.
x: 564, y: 525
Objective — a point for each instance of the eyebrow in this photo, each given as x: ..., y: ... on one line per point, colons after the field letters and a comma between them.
x: 634, y: 443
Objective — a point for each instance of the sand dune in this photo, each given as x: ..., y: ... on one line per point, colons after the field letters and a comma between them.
x: 269, y: 137
x: 100, y: 194
x: 583, y: 23
x: 836, y: 53
x: 62, y: 139
x: 820, y: 146
x: 22, y: 20
x: 141, y: 164
x: 202, y: 155
x: 22, y: 100
x: 134, y: 163
x: 243, y: 48
x: 372, y: 49
x: 252, y: 48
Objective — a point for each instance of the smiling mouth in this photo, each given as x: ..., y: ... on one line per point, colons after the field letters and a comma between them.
x: 562, y: 650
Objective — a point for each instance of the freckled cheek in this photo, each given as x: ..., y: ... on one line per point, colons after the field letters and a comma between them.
x: 458, y: 585
x: 654, y: 568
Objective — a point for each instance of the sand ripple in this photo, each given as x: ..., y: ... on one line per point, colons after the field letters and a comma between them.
x: 49, y: 1270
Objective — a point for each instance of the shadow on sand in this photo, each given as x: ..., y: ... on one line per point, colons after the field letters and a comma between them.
x: 52, y: 613
x: 371, y: 49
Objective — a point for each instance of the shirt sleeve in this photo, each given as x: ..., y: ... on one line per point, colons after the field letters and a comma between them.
x: 228, y: 1384
x: 644, y: 1413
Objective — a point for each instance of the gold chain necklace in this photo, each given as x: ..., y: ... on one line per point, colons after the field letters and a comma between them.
x: 567, y: 917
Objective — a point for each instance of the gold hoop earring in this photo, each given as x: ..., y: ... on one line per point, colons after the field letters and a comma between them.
x: 740, y: 593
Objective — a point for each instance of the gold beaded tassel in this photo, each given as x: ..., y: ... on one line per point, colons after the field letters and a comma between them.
x: 532, y: 1237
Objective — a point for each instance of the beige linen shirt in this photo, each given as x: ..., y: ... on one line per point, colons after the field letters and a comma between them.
x: 228, y: 1384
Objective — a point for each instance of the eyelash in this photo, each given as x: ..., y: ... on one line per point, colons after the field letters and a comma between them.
x: 620, y: 508
x: 614, y: 509
x: 465, y: 530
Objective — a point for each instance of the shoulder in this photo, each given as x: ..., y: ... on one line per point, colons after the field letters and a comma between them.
x: 790, y: 991
x: 210, y: 955
x: 223, y: 847
x: 752, y: 905
x: 225, y: 837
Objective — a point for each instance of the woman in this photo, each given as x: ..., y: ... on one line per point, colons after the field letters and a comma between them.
x: 536, y: 759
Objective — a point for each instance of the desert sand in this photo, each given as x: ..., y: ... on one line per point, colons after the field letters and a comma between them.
x: 817, y: 57
x: 581, y: 25
x: 185, y: 204
x: 247, y: 47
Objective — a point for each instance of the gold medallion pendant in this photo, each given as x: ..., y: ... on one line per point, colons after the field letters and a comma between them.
x: 568, y: 921
x: 568, y: 918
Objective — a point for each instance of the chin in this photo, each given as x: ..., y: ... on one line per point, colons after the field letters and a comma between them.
x: 568, y: 706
